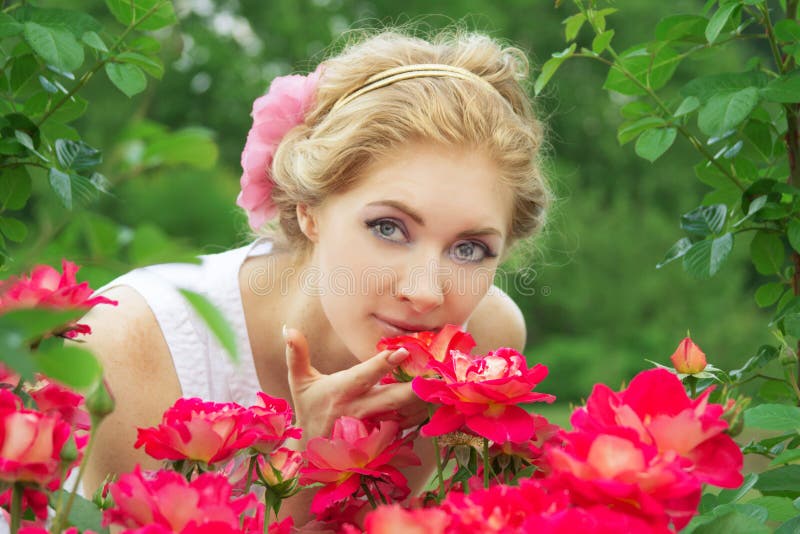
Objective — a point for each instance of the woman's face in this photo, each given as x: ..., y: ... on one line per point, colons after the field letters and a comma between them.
x: 413, y: 246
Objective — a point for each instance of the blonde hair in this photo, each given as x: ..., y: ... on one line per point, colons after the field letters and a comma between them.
x: 328, y: 153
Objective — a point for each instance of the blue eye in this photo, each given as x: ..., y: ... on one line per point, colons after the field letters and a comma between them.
x: 386, y: 229
x: 471, y: 251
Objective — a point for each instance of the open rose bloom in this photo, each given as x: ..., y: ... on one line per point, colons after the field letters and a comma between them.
x: 425, y: 348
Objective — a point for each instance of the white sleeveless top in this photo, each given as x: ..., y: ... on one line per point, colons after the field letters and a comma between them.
x: 203, y: 367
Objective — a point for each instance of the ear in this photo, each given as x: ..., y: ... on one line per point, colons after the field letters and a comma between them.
x: 307, y: 219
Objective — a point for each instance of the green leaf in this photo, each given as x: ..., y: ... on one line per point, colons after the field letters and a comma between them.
x: 71, y: 365
x: 572, y: 25
x: 726, y: 111
x: 733, y: 523
x: 551, y: 66
x: 780, y: 417
x: 95, y: 41
x: 792, y: 526
x: 214, y: 320
x: 23, y: 69
x: 15, y: 188
x: 652, y: 144
x: 733, y: 495
x: 706, y: 87
x: 651, y: 70
x: 676, y: 251
x: 13, y: 229
x: 9, y: 25
x: 601, y: 41
x: 33, y: 323
x: 628, y: 131
x: 27, y: 141
x: 70, y: 110
x: 769, y: 293
x: 784, y: 90
x: 689, y: 104
x: 84, y: 514
x: 151, y: 66
x: 54, y: 45
x: 682, y: 28
x: 706, y: 257
x: 126, y: 77
x: 69, y: 20
x: 793, y: 233
x: 760, y: 135
x: 767, y: 252
x: 637, y: 109
x: 192, y: 146
x: 778, y: 508
x: 718, y: 21
x: 77, y: 155
x: 598, y: 17
x: 782, y: 481
x: 785, y: 457
x: 787, y: 30
x: 705, y: 220
x: 128, y: 12
x: 62, y: 186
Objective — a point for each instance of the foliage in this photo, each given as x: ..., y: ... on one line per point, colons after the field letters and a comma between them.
x: 744, y: 125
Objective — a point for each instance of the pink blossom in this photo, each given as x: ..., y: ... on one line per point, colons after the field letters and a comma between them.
x: 272, y: 421
x: 274, y: 115
x: 166, y: 502
x: 655, y: 405
x: 281, y: 465
x: 354, y: 454
x: 483, y: 394
x: 53, y: 397
x: 47, y: 288
x: 688, y: 358
x: 191, y: 429
x: 30, y: 442
x: 394, y: 519
x: 424, y: 347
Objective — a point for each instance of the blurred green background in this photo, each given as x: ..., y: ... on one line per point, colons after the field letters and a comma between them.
x: 599, y: 307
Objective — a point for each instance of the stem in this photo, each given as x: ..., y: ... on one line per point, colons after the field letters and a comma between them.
x: 250, y: 469
x: 776, y: 54
x: 439, y: 468
x: 16, y: 507
x: 380, y: 493
x: 485, y: 463
x: 370, y: 498
x: 58, y: 521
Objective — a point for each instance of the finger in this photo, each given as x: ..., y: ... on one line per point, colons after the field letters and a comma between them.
x: 298, y: 358
x: 360, y: 378
x: 393, y: 397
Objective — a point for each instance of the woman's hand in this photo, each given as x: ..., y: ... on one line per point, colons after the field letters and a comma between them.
x: 320, y: 399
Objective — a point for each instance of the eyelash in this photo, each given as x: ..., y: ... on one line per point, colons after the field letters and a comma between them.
x: 374, y: 225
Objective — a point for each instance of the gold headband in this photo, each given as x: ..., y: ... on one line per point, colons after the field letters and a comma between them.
x: 405, y: 72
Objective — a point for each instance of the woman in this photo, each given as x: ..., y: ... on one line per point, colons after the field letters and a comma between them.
x: 401, y: 172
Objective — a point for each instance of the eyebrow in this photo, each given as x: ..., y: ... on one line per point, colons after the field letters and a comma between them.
x: 417, y: 218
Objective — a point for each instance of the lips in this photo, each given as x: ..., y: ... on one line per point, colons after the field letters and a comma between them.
x: 401, y: 327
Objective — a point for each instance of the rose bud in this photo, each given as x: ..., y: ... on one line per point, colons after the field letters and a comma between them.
x: 688, y: 358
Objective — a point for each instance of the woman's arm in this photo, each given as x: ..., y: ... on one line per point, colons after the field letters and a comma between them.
x: 138, y: 368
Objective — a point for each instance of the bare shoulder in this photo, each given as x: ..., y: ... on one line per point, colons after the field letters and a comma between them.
x: 138, y: 368
x: 497, y: 322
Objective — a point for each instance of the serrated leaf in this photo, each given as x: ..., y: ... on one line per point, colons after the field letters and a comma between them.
x: 733, y: 522
x: 705, y: 220
x: 726, y: 111
x: 572, y: 25
x: 151, y: 66
x: 9, y: 25
x: 787, y: 456
x: 13, y: 229
x: 62, y: 186
x: 601, y: 41
x: 71, y: 365
x: 628, y: 131
x: 706, y: 87
x: 129, y: 13
x: 650, y: 70
x: 779, y: 417
x: 769, y: 293
x: 705, y: 258
x: 754, y: 207
x: 782, y: 481
x: 69, y: 20
x: 551, y: 66
x: 689, y: 104
x: 767, y: 252
x: 77, y: 155
x: 54, y: 45
x: 676, y: 251
x: 652, y: 144
x: 126, y: 77
x: 84, y: 514
x: 682, y: 28
x: 784, y: 90
x: 15, y: 188
x: 778, y: 508
x: 95, y: 41
x: 718, y: 21
x: 215, y: 321
x: 27, y: 141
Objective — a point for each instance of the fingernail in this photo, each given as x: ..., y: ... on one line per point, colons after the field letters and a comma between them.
x: 397, y: 356
x: 285, y: 332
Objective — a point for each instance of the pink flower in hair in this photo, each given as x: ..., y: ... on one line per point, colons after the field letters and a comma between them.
x: 274, y: 114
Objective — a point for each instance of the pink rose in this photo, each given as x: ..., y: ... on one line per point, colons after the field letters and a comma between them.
x: 688, y: 358
x: 272, y: 421
x: 274, y: 114
x: 483, y: 394
x: 394, y: 519
x: 30, y: 442
x: 425, y: 347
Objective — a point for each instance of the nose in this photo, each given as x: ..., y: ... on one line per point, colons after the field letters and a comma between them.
x: 422, y: 287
